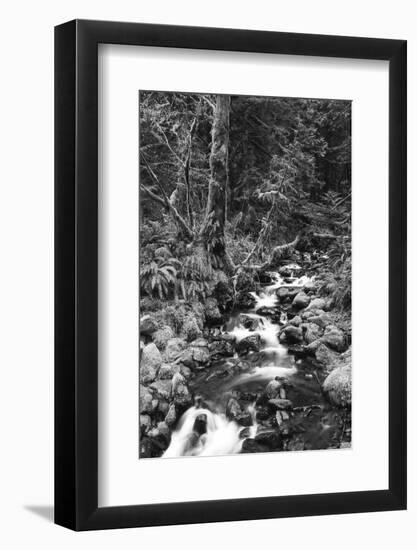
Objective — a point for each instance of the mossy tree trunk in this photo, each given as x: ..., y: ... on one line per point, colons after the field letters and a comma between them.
x: 212, y: 232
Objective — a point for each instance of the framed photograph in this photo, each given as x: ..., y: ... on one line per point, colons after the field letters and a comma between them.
x: 230, y: 253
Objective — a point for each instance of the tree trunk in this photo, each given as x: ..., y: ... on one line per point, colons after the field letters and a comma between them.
x: 212, y: 231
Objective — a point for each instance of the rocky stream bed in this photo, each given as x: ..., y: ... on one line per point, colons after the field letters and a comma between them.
x: 274, y: 374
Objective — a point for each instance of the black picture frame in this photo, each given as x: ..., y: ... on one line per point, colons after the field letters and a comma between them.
x: 76, y: 272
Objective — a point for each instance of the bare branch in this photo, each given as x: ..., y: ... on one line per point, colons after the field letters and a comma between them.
x: 164, y: 137
x: 276, y: 252
x: 261, y: 235
x: 206, y: 99
x: 152, y: 195
x: 170, y: 207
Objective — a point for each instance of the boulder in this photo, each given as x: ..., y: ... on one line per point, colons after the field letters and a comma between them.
x: 161, y: 389
x: 334, y: 338
x: 171, y: 415
x: 251, y: 446
x: 150, y: 362
x: 173, y: 349
x: 200, y: 424
x: 281, y: 417
x: 262, y: 414
x: 280, y: 404
x: 298, y: 351
x: 346, y: 357
x: 291, y: 335
x: 292, y: 292
x: 338, y: 386
x: 319, y: 318
x: 295, y: 321
x: 306, y: 315
x: 272, y: 390
x: 311, y: 332
x: 270, y: 439
x: 182, y: 396
x: 147, y: 325
x: 250, y: 343
x: 179, y: 391
x: 195, y: 356
x: 244, y: 433
x: 221, y: 348
x: 309, y: 287
x: 248, y: 322
x: 236, y: 413
x: 325, y: 356
x: 301, y: 300
x: 317, y: 303
x: 167, y: 371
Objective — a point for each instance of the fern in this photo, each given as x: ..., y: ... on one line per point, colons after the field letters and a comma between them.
x: 194, y: 275
x: 158, y: 277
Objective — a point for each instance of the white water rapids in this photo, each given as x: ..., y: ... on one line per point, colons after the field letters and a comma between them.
x: 222, y: 436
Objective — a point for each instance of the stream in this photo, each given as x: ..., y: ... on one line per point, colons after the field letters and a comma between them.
x: 232, y: 410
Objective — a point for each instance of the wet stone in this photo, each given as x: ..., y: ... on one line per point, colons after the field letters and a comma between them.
x: 281, y: 404
x: 200, y: 424
x: 281, y: 417
x: 272, y: 389
x: 252, y: 446
x: 301, y: 300
x: 270, y: 438
x: 250, y: 343
x: 262, y: 413
x: 291, y: 334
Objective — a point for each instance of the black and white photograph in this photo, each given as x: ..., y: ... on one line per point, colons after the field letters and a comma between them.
x: 245, y: 274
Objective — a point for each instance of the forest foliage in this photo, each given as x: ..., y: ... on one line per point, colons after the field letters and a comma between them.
x: 230, y: 184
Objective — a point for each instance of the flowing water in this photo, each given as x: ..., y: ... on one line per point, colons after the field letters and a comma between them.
x: 204, y: 429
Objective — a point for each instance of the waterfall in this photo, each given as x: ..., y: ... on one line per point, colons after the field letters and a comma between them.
x: 254, y: 428
x: 264, y: 299
x: 213, y: 434
x: 279, y: 281
x: 268, y: 332
x: 221, y: 436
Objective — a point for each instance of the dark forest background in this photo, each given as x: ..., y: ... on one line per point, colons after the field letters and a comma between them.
x: 231, y: 185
